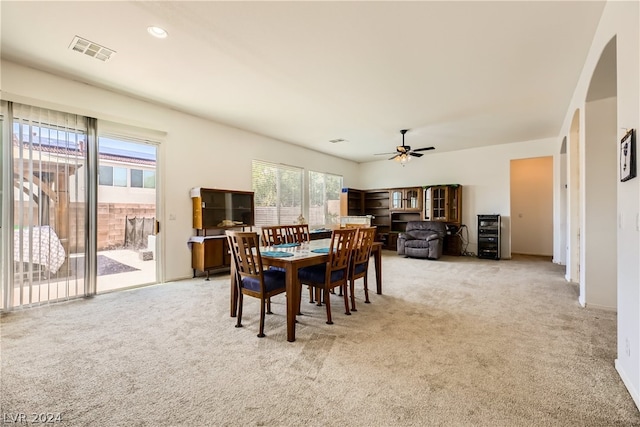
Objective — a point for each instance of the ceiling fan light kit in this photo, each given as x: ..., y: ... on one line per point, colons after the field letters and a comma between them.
x: 404, y: 153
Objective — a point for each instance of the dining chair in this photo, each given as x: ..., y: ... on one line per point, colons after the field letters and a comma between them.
x: 335, y: 272
x: 360, y: 262
x: 272, y: 235
x: 298, y: 233
x: 251, y: 278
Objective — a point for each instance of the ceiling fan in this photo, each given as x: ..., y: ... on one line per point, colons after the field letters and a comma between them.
x: 404, y: 152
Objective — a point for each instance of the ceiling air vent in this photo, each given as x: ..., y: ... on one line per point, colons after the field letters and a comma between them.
x: 335, y: 141
x: 91, y: 49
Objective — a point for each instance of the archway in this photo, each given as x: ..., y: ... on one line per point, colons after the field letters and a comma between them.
x: 598, y: 225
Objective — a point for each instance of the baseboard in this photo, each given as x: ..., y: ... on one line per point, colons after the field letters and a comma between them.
x: 632, y: 391
x: 601, y: 307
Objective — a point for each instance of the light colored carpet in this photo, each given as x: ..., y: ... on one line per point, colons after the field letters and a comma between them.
x: 454, y: 342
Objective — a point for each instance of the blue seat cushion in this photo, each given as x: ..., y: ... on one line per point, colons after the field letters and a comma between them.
x: 273, y: 279
x: 316, y: 274
x: 360, y: 268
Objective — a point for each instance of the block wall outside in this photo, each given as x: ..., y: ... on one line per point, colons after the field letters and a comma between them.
x: 111, y: 223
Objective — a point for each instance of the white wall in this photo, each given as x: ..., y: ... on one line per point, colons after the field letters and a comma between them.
x: 194, y: 152
x: 484, y: 174
x: 532, y: 206
x: 561, y: 199
x: 620, y: 20
x: 598, y: 275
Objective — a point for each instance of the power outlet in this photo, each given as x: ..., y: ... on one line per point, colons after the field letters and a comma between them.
x: 627, y: 347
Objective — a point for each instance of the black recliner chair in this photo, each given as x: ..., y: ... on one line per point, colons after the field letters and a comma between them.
x: 422, y: 239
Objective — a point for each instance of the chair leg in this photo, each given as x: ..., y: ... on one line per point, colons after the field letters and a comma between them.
x: 353, y: 297
x: 327, y: 302
x: 366, y: 291
x: 269, y: 306
x: 239, y: 315
x: 346, y: 299
x: 262, y: 304
x: 311, y: 300
x: 319, y: 297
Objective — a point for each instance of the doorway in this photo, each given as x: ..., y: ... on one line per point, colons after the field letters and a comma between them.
x: 126, y: 214
x: 532, y: 206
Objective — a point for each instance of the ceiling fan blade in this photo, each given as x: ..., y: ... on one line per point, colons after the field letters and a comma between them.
x: 394, y: 157
x: 383, y: 154
x: 414, y: 154
x: 425, y: 149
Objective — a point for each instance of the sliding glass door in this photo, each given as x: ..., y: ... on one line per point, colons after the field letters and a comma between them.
x: 126, y: 238
x: 78, y: 212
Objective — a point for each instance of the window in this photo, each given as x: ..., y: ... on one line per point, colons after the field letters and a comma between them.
x: 143, y: 178
x: 324, y: 198
x: 136, y: 178
x: 105, y: 175
x: 113, y: 176
x: 277, y: 193
x: 119, y: 177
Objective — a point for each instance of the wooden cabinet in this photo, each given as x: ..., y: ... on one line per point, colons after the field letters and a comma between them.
x: 406, y: 199
x: 443, y: 203
x: 452, y: 245
x: 393, y: 208
x: 399, y: 220
x: 405, y: 205
x: 211, y: 253
x: 376, y: 204
x: 351, y: 202
x: 213, y: 208
x: 215, y: 211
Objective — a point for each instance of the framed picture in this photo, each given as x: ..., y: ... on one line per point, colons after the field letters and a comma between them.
x: 628, y: 156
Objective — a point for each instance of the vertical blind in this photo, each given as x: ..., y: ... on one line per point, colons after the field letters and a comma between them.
x: 279, y: 197
x: 277, y: 193
x: 44, y: 209
x: 324, y: 198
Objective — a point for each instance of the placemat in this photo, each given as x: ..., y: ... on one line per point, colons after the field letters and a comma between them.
x: 321, y: 250
x: 286, y: 245
x: 276, y: 254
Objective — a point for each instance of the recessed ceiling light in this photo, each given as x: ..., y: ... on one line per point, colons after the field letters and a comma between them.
x: 158, y: 32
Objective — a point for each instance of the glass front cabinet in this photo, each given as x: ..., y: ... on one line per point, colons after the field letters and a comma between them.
x: 443, y: 203
x: 406, y: 199
x: 215, y: 211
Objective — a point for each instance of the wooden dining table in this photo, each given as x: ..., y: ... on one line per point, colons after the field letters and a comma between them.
x: 302, y: 256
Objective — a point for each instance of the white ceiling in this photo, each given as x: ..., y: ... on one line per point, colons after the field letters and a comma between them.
x: 457, y: 74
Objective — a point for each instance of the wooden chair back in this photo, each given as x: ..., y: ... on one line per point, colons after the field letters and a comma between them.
x: 363, y: 244
x: 272, y: 235
x: 279, y: 234
x: 360, y: 261
x: 298, y: 233
x: 244, y: 247
x: 252, y: 280
x: 342, y: 241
